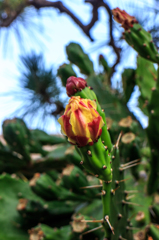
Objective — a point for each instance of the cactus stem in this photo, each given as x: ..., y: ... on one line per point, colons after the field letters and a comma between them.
x: 129, y: 197
x: 121, y: 238
x: 89, y: 153
x: 93, y: 186
x: 104, y: 167
x: 129, y: 166
x: 130, y: 203
x: 107, y: 220
x: 92, y: 230
x: 92, y: 221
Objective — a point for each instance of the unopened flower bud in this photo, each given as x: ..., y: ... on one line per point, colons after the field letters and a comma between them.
x: 81, y: 123
x: 124, y: 18
x: 75, y: 84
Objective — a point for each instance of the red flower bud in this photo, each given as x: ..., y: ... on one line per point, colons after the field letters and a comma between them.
x: 74, y: 85
x: 101, y: 56
x: 124, y: 18
x: 81, y: 123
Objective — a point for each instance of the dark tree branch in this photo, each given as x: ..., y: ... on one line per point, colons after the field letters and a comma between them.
x: 96, y: 4
x: 112, y: 42
x: 7, y: 21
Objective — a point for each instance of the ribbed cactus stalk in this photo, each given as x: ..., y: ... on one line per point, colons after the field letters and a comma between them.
x: 83, y: 122
x: 46, y: 188
x: 148, y: 81
x: 136, y: 36
x: 131, y: 151
x: 152, y: 132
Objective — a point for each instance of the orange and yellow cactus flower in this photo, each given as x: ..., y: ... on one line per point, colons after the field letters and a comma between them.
x: 81, y: 123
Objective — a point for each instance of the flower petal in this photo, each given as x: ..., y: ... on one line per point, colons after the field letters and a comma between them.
x: 95, y: 127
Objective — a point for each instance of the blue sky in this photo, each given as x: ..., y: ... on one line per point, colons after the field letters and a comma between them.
x: 48, y: 33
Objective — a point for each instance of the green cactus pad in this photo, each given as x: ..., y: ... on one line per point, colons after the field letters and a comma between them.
x: 11, y: 190
x: 16, y: 134
x: 142, y: 42
x: 77, y: 56
x: 46, y: 188
x: 145, y: 78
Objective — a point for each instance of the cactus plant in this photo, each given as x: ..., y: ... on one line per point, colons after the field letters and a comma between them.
x: 93, y: 189
x: 97, y: 157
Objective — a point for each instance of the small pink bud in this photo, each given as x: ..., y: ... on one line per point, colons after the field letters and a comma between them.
x: 75, y: 84
x: 101, y: 56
